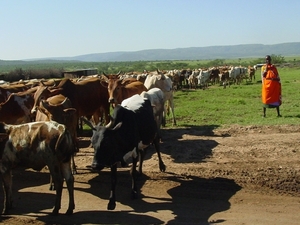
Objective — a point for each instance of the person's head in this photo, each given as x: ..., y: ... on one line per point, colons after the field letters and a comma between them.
x: 268, y: 59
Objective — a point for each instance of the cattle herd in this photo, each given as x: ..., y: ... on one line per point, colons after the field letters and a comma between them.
x: 40, y: 120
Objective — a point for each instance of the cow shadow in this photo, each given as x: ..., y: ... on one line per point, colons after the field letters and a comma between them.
x: 186, y: 150
x: 197, y: 199
x: 192, y: 199
x: 25, y: 202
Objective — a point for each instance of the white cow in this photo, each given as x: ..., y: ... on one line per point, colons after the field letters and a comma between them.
x: 203, y: 78
x: 156, y: 97
x: 236, y: 74
x: 164, y: 83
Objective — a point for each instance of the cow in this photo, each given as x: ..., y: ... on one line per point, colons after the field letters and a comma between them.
x: 164, y: 83
x: 237, y: 74
x: 132, y: 128
x: 35, y: 145
x: 175, y: 77
x: 224, y: 77
x: 59, y: 108
x: 88, y: 97
x: 120, y: 89
x: 214, y: 75
x: 7, y: 90
x: 156, y: 97
x: 17, y: 108
x: 251, y: 72
x: 203, y: 78
x: 192, y: 79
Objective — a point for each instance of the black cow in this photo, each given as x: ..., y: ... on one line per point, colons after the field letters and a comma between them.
x: 132, y: 127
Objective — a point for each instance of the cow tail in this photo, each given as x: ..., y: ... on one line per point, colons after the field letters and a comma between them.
x: 65, y: 144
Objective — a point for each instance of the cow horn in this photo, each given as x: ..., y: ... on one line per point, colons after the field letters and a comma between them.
x: 59, y: 104
x: 111, y: 122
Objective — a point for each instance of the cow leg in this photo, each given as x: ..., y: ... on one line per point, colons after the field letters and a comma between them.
x: 171, y: 105
x: 141, y: 156
x: 7, y: 190
x: 133, y: 173
x: 112, y: 198
x: 68, y: 175
x: 57, y: 177
x: 74, y: 171
x: 162, y: 166
x: 51, y: 188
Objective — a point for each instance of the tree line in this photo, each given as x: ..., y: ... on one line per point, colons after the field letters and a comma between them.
x: 54, y: 69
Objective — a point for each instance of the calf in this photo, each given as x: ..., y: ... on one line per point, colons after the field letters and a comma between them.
x: 35, y: 145
x: 17, y: 108
x: 132, y: 127
x: 59, y: 108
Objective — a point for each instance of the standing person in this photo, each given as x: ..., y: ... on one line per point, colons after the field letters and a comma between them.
x: 271, y: 87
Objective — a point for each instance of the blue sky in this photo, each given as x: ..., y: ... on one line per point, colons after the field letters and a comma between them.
x: 64, y: 28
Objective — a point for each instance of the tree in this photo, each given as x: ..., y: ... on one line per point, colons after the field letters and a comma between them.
x: 277, y: 59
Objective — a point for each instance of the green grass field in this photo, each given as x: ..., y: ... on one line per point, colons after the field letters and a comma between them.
x: 238, y: 104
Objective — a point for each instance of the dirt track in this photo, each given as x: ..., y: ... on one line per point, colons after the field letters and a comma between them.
x: 237, y: 175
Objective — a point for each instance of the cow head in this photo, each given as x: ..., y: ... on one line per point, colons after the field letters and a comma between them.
x: 59, y: 109
x: 42, y: 93
x: 105, y: 144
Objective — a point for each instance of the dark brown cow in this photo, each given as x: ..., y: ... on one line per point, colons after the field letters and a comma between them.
x: 224, y: 78
x: 42, y: 143
x: 119, y: 90
x: 87, y: 96
x: 214, y: 75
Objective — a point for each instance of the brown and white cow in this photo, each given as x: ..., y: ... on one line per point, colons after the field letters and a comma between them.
x: 251, y: 72
x: 7, y: 90
x: 35, y: 145
x: 17, y: 108
x: 59, y: 108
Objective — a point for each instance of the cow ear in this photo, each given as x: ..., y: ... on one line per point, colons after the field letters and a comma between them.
x: 125, y: 82
x: 103, y: 78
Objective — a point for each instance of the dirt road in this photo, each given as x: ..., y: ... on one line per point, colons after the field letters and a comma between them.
x: 236, y: 175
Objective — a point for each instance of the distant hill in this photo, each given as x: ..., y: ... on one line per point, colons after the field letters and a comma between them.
x: 193, y: 53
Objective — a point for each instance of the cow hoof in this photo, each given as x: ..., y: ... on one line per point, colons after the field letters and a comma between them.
x: 134, y: 195
x: 51, y: 188
x: 111, y: 206
x: 69, y: 212
x: 54, y: 212
x: 162, y: 168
